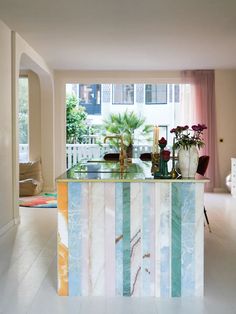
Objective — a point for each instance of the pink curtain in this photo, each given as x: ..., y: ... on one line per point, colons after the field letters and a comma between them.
x: 203, y: 91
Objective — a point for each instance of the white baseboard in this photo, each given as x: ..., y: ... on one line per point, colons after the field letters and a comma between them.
x: 220, y: 190
x: 9, y: 225
x: 6, y: 227
x: 17, y: 220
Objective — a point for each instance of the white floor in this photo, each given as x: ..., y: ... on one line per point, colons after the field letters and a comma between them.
x: 28, y: 270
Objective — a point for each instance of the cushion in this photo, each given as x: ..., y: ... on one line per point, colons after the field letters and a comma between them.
x: 31, y: 180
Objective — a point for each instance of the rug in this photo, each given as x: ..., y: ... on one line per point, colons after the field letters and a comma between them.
x: 44, y: 200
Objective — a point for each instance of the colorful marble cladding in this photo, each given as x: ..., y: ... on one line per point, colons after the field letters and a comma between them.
x: 130, y: 239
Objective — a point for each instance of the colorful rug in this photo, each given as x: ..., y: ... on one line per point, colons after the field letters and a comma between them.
x: 45, y: 200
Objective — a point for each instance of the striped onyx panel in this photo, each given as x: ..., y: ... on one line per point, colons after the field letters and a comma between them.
x: 130, y: 239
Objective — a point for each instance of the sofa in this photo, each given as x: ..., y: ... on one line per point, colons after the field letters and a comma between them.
x: 30, y: 178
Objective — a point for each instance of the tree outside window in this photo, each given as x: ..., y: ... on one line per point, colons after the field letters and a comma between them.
x: 23, y: 110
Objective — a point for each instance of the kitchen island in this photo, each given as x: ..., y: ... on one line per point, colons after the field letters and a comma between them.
x: 122, y: 233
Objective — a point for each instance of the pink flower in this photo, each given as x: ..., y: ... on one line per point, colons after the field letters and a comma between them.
x: 165, y: 155
x: 162, y: 141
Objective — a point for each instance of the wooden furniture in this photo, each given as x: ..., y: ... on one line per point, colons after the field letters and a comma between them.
x: 233, y: 177
x: 201, y: 169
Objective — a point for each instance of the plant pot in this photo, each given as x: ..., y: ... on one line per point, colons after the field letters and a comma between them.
x: 129, y: 151
x: 188, y: 161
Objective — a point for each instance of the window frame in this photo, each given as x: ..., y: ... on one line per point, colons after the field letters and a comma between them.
x: 122, y: 103
x: 156, y: 103
x: 98, y: 109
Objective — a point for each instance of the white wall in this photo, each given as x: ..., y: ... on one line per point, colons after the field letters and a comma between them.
x: 6, y: 180
x: 225, y: 83
x: 14, y: 53
x: 25, y: 56
x: 34, y: 116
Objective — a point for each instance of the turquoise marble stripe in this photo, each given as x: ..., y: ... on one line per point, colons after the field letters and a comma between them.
x: 74, y: 238
x: 119, y: 238
x: 176, y: 199
x: 126, y: 239
x: 188, y: 240
x: 146, y: 249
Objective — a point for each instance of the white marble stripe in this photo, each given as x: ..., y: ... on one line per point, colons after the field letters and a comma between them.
x: 135, y: 238
x: 98, y: 239
x: 170, y: 237
x: 85, y: 239
x: 90, y: 214
x: 157, y: 238
x: 148, y: 240
x: 110, y: 267
x: 145, y: 267
x: 165, y: 240
x: 152, y: 240
x: 62, y: 229
x: 199, y: 240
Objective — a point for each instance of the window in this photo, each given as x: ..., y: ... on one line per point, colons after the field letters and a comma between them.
x: 90, y: 98
x: 177, y: 93
x: 23, y: 118
x: 123, y: 94
x: 155, y: 94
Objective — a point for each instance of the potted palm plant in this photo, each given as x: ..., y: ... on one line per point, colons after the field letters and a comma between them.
x: 125, y: 124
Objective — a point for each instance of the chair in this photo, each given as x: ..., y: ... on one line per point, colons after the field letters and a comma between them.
x: 201, y: 169
x: 111, y: 156
x: 146, y: 157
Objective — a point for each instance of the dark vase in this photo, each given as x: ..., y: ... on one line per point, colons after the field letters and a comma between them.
x: 129, y: 151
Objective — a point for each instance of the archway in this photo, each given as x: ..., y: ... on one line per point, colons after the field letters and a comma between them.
x: 24, y: 58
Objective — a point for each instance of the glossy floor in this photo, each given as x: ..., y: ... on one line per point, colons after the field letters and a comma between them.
x: 28, y: 270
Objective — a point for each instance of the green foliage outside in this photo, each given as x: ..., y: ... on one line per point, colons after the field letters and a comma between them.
x: 76, y: 126
x: 125, y: 124
x: 23, y: 110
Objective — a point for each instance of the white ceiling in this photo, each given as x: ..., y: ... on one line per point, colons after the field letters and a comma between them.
x: 127, y: 34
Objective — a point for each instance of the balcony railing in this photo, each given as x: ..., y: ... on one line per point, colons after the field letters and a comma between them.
x: 76, y: 152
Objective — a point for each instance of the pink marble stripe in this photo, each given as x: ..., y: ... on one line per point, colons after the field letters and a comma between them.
x: 135, y: 238
x: 97, y: 239
x: 110, y: 239
x: 157, y: 201
x: 152, y: 239
x: 85, y: 238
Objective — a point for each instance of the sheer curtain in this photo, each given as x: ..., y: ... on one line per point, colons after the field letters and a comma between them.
x: 202, y: 89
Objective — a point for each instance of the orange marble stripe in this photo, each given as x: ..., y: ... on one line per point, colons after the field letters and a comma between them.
x: 62, y: 269
x: 62, y: 199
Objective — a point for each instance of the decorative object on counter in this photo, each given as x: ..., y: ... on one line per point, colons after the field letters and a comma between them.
x: 188, y: 141
x: 165, y: 157
x: 155, y: 151
x: 155, y: 147
x: 174, y: 173
x: 155, y: 162
x: 122, y: 155
x: 162, y: 173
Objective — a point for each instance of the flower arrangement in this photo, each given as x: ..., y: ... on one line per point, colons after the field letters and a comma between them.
x: 186, y: 137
